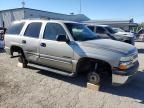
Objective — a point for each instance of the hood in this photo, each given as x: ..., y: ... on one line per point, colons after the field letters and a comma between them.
x: 124, y: 34
x: 110, y: 45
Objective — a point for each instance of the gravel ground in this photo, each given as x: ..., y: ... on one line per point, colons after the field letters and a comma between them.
x: 32, y: 88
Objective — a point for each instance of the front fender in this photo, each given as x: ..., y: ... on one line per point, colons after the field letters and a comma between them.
x: 111, y: 58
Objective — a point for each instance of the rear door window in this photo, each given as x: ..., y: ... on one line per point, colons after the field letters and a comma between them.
x: 33, y: 30
x: 15, y: 28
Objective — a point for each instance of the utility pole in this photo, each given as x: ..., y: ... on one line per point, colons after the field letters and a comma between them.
x: 80, y: 6
x: 23, y: 6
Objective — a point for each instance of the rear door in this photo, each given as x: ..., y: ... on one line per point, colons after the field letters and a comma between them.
x: 30, y: 41
x: 53, y: 53
x: 13, y: 35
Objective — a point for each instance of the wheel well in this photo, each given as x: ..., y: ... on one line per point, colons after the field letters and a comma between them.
x: 15, y: 49
x: 84, y: 65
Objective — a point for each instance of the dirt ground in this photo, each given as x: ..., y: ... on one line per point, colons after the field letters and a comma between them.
x: 32, y: 88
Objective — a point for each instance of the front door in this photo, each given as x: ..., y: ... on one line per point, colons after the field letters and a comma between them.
x: 53, y: 53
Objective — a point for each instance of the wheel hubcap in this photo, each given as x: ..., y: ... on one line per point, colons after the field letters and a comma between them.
x: 94, y: 78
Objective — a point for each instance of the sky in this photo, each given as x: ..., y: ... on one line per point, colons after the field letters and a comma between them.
x: 94, y: 9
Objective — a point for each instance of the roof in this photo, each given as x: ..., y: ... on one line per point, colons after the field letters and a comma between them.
x: 28, y: 9
x: 94, y: 24
x: 44, y: 20
x: 103, y: 25
x: 76, y: 16
x: 111, y: 22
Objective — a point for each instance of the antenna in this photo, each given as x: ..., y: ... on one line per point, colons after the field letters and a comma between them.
x: 23, y: 4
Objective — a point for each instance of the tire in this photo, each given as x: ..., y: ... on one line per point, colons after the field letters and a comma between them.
x: 22, y: 59
x: 94, y: 78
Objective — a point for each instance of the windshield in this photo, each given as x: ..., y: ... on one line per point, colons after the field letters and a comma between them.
x: 118, y: 30
x: 80, y: 32
x: 110, y: 30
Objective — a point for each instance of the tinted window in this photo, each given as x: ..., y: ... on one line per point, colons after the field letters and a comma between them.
x: 110, y: 30
x: 80, y: 32
x: 100, y: 30
x: 91, y: 28
x: 15, y: 28
x: 52, y: 30
x: 33, y: 30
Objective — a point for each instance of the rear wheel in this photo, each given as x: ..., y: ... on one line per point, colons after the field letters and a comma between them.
x: 22, y: 59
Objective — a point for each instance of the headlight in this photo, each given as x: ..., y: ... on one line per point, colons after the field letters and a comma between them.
x: 127, y: 62
x: 125, y: 59
x: 125, y: 65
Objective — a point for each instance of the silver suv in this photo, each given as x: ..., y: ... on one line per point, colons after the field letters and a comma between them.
x: 69, y: 48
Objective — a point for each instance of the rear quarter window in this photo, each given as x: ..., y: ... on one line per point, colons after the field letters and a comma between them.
x: 15, y: 28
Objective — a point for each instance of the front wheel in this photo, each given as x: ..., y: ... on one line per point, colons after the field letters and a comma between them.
x: 94, y: 78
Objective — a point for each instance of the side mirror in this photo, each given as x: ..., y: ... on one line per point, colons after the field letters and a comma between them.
x: 62, y: 38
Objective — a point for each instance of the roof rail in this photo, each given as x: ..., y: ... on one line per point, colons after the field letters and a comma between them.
x: 37, y: 19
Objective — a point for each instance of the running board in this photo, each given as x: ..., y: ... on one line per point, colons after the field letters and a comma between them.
x: 51, y: 70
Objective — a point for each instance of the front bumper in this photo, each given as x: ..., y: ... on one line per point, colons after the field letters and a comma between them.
x: 120, y: 77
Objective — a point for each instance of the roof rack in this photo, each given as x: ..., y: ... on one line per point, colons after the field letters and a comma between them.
x: 36, y: 19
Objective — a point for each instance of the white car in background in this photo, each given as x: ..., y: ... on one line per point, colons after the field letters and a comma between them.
x: 120, y: 31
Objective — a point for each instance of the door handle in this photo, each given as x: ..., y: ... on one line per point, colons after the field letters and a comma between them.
x: 24, y: 41
x: 43, y: 44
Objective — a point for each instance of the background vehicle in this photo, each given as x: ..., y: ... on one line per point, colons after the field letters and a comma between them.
x: 70, y: 48
x: 107, y: 32
x: 2, y: 32
x: 140, y: 35
x: 120, y: 31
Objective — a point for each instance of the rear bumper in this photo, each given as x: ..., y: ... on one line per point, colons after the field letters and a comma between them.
x: 120, y: 77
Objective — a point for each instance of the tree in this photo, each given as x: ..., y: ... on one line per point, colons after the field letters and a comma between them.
x: 139, y: 27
